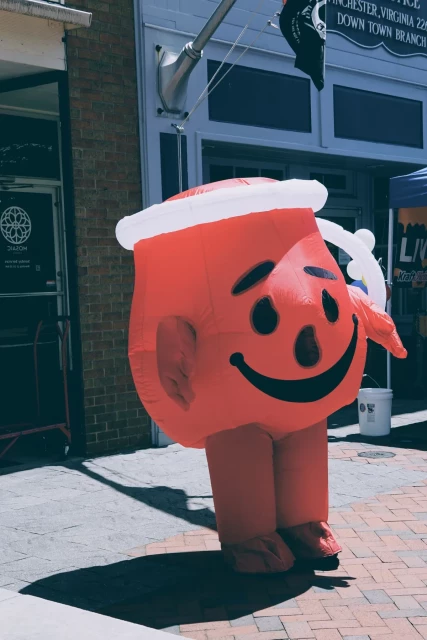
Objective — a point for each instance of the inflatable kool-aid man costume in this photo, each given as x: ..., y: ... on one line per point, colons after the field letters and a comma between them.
x: 243, y: 338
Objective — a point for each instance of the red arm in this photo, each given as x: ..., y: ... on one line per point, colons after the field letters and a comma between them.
x: 378, y: 325
x: 176, y: 358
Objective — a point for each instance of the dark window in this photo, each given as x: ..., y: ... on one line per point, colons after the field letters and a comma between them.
x: 218, y: 172
x: 246, y: 172
x: 169, y: 164
x: 274, y: 174
x: 381, y: 192
x: 376, y: 117
x: 29, y: 147
x: 331, y: 181
x: 260, y: 99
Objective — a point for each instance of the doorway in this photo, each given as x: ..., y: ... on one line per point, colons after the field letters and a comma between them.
x: 32, y: 288
x: 38, y: 270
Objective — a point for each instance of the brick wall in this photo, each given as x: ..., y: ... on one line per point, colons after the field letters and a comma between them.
x: 104, y: 128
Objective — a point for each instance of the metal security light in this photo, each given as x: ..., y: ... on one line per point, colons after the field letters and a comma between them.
x: 175, y: 69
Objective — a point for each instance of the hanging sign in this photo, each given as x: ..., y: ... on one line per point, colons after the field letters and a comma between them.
x: 411, y: 259
x: 27, y: 248
x: 400, y: 26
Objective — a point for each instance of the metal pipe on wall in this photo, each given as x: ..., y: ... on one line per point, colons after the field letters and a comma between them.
x: 141, y: 94
x: 175, y: 69
x: 212, y: 25
x: 390, y: 280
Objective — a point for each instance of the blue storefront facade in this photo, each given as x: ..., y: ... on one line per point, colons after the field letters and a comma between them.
x: 265, y: 118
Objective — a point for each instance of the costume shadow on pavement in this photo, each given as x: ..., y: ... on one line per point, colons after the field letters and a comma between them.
x: 168, y: 590
x: 170, y: 500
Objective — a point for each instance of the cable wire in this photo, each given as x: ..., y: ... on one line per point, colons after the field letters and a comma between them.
x: 209, y: 88
x: 249, y: 46
x: 207, y: 91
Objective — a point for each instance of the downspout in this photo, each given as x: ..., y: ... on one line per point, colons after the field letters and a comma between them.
x: 77, y: 409
x: 140, y: 88
x: 390, y: 280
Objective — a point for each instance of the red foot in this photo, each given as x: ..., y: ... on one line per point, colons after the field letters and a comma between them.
x: 265, y: 554
x: 311, y: 540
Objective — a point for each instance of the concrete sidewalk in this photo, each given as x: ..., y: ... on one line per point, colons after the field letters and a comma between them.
x: 133, y: 536
x: 29, y: 618
x: 378, y: 593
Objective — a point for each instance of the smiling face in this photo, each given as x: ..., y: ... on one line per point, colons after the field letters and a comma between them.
x: 265, y: 321
x: 290, y: 341
x: 277, y: 341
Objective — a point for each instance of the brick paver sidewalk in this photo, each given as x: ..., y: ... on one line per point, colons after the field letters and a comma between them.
x: 379, y: 592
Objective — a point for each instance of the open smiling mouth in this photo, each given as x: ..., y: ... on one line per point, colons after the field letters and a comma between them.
x: 306, y: 390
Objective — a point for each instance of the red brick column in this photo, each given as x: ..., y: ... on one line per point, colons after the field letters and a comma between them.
x: 107, y: 186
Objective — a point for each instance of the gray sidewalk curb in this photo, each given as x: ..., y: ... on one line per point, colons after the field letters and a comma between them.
x: 28, y: 618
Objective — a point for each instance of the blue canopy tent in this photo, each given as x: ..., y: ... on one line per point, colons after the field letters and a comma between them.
x: 406, y: 192
x: 409, y: 191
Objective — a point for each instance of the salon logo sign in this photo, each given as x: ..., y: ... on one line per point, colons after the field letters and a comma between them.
x: 411, y: 259
x: 15, y: 227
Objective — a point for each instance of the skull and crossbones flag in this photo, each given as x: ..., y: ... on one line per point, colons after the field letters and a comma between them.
x: 303, y: 24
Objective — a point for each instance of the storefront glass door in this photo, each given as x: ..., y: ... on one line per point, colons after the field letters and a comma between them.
x: 32, y: 288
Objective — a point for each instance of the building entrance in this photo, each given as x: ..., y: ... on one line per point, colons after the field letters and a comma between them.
x: 33, y: 272
x: 32, y: 290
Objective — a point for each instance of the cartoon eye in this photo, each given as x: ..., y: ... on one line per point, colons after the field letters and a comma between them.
x: 330, y: 307
x: 318, y: 272
x: 253, y: 277
x: 264, y: 317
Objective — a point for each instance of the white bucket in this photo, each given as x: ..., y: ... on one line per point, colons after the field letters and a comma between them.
x: 375, y: 412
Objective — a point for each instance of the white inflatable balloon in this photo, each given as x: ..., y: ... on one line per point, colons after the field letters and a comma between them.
x: 360, y: 253
x: 354, y: 271
x: 367, y: 237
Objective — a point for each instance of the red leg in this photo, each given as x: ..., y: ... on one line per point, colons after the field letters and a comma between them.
x: 241, y: 470
x: 301, y: 478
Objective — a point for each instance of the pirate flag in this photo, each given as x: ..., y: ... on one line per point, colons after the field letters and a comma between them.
x: 303, y: 24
